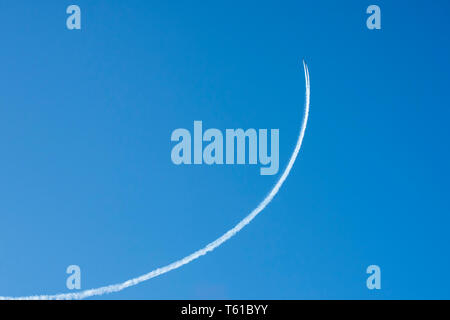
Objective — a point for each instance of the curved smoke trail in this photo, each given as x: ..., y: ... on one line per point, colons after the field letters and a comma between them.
x: 201, y: 252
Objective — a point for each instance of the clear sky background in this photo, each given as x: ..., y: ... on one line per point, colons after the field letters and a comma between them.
x: 85, y: 170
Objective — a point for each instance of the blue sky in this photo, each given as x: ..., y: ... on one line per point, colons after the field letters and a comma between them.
x: 86, y: 175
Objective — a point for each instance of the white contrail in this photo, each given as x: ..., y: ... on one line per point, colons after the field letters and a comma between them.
x: 197, y: 254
